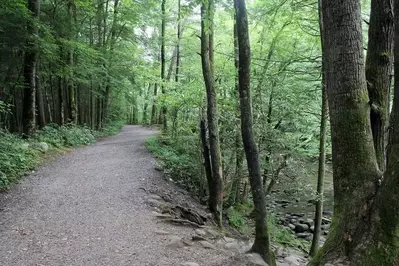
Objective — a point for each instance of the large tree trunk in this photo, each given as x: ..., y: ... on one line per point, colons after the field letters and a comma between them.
x: 30, y: 64
x: 366, y: 214
x: 215, y: 194
x: 379, y: 64
x: 262, y: 240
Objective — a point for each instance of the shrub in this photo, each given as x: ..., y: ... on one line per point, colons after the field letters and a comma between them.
x: 15, y: 158
x: 112, y: 128
x: 180, y: 161
x: 68, y: 135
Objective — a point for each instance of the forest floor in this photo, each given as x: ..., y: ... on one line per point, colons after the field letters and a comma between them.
x: 102, y: 205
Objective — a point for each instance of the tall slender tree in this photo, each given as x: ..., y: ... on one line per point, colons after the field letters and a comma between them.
x: 163, y: 64
x: 216, y: 187
x: 322, y: 149
x: 262, y: 240
x: 30, y: 69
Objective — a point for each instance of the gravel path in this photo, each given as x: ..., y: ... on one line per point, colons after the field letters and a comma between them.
x: 87, y: 208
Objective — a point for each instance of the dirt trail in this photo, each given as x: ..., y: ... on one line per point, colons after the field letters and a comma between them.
x: 87, y: 208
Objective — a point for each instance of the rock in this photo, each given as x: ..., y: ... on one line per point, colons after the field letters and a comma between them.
x: 175, y: 242
x: 256, y: 259
x: 309, y: 222
x: 229, y: 239
x: 311, y: 229
x: 189, y: 264
x: 207, y: 245
x: 212, y: 232
x: 292, y: 260
x: 41, y: 146
x: 291, y: 226
x: 233, y: 246
x: 300, y: 228
x: 325, y: 220
x: 200, y: 232
x: 156, y: 203
x: 302, y: 235
x: 326, y: 233
x: 279, y: 252
x: 160, y: 232
x: 155, y: 197
x: 293, y: 221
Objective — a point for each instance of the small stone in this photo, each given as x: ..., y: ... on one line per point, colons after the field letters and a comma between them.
x: 175, y: 242
x: 302, y: 235
x: 279, y: 252
x: 200, y: 232
x: 155, y: 197
x: 311, y: 229
x: 160, y: 232
x: 229, y: 239
x: 41, y: 146
x: 293, y: 221
x: 326, y: 233
x: 291, y: 226
x: 156, y: 203
x: 300, y: 228
x: 309, y: 222
x: 233, y: 246
x: 212, y: 232
x: 207, y: 245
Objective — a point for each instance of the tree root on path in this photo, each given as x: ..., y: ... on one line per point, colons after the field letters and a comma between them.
x: 183, y: 222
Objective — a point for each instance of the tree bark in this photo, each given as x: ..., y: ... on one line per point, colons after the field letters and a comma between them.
x: 41, y: 118
x: 107, y: 99
x: 322, y: 151
x: 163, y: 27
x: 215, y: 195
x: 379, y: 66
x: 30, y: 64
x: 70, y: 60
x: 262, y: 239
x: 154, y: 106
x: 179, y: 36
x: 359, y: 235
x: 205, y: 150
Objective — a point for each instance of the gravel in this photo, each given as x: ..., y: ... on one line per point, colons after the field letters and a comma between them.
x: 88, y: 207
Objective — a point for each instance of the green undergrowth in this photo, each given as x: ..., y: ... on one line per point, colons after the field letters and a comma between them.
x: 18, y: 155
x: 239, y: 218
x: 180, y: 163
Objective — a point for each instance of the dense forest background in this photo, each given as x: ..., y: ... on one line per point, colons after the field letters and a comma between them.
x: 239, y: 90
